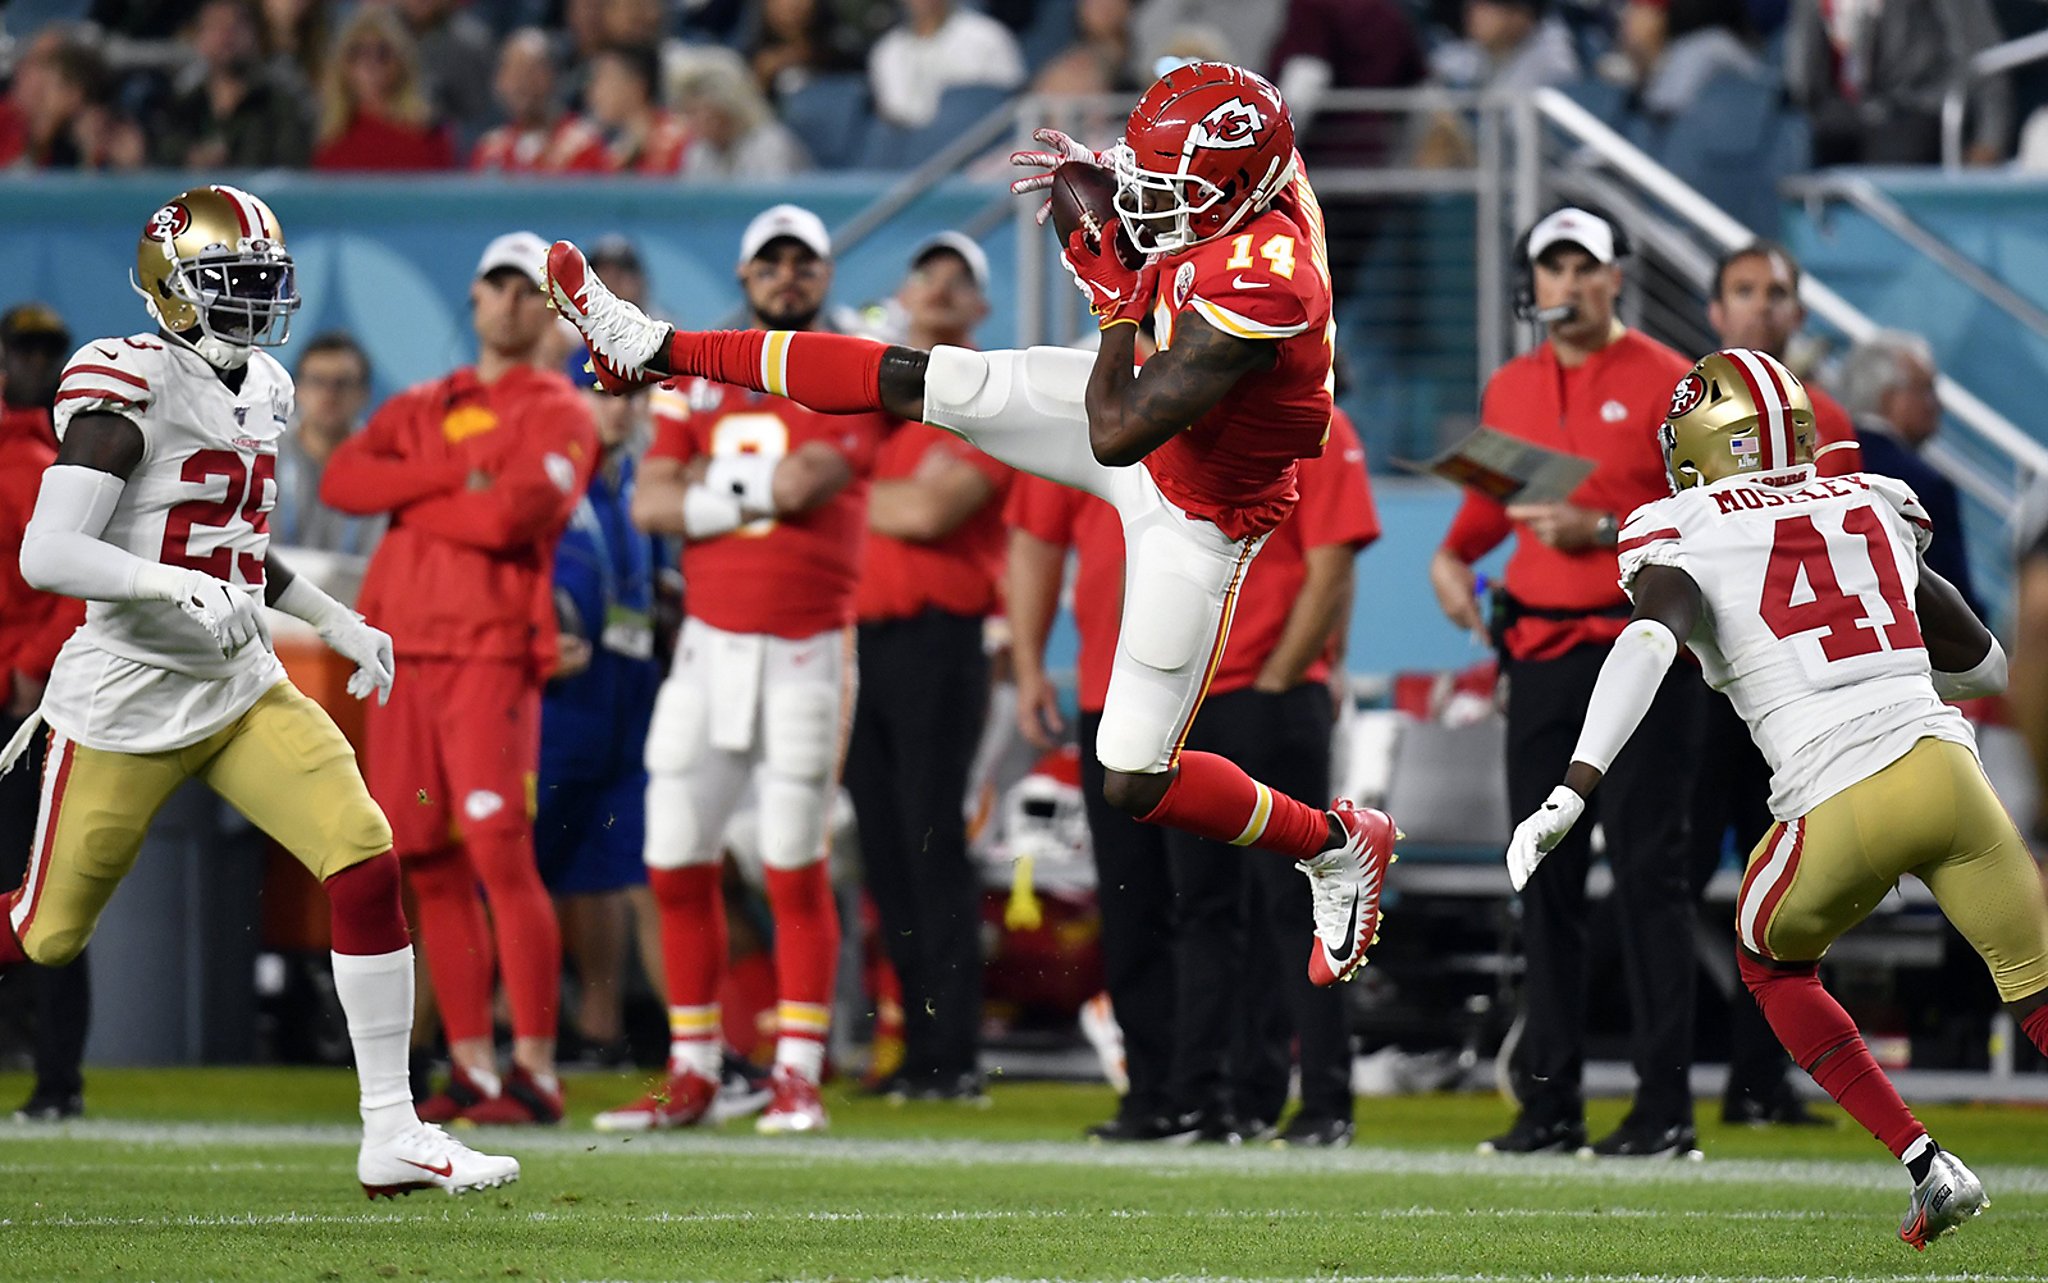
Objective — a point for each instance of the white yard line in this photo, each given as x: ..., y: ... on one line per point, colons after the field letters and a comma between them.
x: 1876, y: 1173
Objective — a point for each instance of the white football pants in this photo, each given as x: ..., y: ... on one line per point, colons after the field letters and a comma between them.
x: 740, y: 706
x: 1181, y: 574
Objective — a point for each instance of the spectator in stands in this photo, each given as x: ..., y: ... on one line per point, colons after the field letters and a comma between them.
x: 625, y: 129
x: 592, y: 816
x: 939, y: 46
x: 733, y: 130
x: 333, y: 381
x: 1872, y: 76
x: 1754, y: 303
x: 456, y: 51
x: 33, y: 626
x: 1888, y: 386
x: 927, y: 587
x: 1344, y: 44
x: 480, y: 471
x: 234, y: 111
x: 1248, y: 31
x: 62, y: 113
x: 539, y: 132
x: 1237, y: 923
x: 295, y: 39
x: 1099, y: 60
x: 1598, y: 389
x: 142, y: 19
x: 374, y: 113
x: 1514, y: 46
x: 800, y: 39
x: 1666, y: 51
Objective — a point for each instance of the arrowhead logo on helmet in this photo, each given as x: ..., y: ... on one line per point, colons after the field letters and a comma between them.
x: 1234, y: 124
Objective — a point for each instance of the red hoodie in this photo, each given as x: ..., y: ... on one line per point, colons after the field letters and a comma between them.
x: 33, y: 625
x: 465, y: 573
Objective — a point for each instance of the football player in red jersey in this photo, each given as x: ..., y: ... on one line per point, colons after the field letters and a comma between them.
x: 1237, y: 285
x: 770, y: 500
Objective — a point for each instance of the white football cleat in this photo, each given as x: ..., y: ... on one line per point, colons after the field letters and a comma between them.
x: 622, y: 338
x: 795, y: 1109
x: 423, y: 1156
x: 1344, y: 889
x: 1950, y: 1195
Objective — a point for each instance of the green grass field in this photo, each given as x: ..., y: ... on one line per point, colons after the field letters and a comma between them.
x: 248, y: 1174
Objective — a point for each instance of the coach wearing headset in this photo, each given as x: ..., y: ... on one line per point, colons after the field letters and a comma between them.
x: 1594, y: 388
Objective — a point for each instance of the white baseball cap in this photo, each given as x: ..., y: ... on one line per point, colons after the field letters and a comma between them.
x: 522, y: 250
x: 1573, y: 226
x: 955, y: 243
x: 778, y: 221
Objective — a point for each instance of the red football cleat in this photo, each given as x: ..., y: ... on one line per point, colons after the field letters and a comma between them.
x: 1345, y: 885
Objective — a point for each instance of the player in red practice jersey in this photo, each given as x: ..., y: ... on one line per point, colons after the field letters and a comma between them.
x: 762, y: 684
x: 1236, y: 282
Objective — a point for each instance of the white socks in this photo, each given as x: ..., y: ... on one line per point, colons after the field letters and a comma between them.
x: 376, y: 996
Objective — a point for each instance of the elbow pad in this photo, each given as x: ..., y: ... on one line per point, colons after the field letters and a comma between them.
x: 1628, y: 683
x: 1987, y: 678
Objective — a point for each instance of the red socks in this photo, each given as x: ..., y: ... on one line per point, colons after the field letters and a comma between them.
x: 1823, y: 1041
x: 1212, y: 797
x: 364, y: 910
x: 806, y: 933
x: 457, y: 938
x: 830, y: 373
x: 693, y: 943
x: 2034, y: 1026
x: 11, y: 951
x: 529, y: 934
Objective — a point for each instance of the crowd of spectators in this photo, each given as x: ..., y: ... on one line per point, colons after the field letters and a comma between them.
x: 700, y: 90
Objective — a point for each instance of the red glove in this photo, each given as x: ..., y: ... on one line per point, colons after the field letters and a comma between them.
x: 1114, y: 292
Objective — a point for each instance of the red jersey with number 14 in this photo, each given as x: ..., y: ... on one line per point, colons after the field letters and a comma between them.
x: 788, y: 577
x: 1270, y: 280
x: 1809, y: 626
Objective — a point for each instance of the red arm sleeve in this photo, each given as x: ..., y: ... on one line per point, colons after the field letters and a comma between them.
x: 531, y: 499
x: 370, y: 473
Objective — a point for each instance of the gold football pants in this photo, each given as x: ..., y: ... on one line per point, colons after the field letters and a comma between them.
x: 1931, y: 814
x: 283, y: 764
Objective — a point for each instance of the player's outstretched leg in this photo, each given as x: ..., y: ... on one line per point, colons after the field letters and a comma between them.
x: 373, y: 977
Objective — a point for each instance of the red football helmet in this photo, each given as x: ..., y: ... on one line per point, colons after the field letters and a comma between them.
x: 1206, y: 147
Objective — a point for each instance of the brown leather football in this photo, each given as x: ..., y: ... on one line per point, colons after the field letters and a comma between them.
x: 1084, y: 199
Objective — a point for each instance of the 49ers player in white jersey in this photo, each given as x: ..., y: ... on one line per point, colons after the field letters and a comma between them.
x: 156, y: 512
x: 1196, y: 452
x: 1808, y: 604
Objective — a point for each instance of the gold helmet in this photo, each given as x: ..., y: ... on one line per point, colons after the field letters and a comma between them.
x: 214, y: 260
x: 1737, y: 411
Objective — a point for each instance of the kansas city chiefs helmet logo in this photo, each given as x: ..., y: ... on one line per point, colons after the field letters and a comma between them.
x: 1689, y: 392
x: 168, y: 223
x: 1236, y: 123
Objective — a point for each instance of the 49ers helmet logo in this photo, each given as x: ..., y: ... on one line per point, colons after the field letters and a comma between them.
x: 1234, y: 124
x: 1690, y: 391
x: 169, y: 222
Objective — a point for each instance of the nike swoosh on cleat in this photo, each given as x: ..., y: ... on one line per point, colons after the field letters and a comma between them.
x: 446, y: 1169
x: 1350, y: 938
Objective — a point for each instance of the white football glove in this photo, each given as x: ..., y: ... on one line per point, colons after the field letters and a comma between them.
x: 233, y: 616
x: 1538, y: 835
x: 369, y: 649
x: 1062, y: 150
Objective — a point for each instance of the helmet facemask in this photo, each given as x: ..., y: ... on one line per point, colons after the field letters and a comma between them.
x: 1158, y: 209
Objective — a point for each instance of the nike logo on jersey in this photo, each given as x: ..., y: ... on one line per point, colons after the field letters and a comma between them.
x: 108, y: 353
x: 1243, y: 284
x: 446, y: 1169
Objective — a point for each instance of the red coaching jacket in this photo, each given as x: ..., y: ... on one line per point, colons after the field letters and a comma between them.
x: 33, y: 625
x: 462, y: 573
x: 1607, y: 409
x: 958, y: 574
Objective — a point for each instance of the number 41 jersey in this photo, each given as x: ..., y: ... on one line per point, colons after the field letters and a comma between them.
x: 142, y: 676
x: 1809, y: 626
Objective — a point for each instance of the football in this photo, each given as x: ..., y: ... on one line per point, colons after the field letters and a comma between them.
x: 1084, y: 200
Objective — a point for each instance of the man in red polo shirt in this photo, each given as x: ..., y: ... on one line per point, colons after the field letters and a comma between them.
x: 770, y: 500
x: 480, y: 471
x: 1597, y: 389
x: 1183, y: 1009
x: 33, y: 626
x: 935, y: 513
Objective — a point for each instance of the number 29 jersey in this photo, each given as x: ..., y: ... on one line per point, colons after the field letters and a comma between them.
x: 142, y: 676
x: 1809, y: 627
